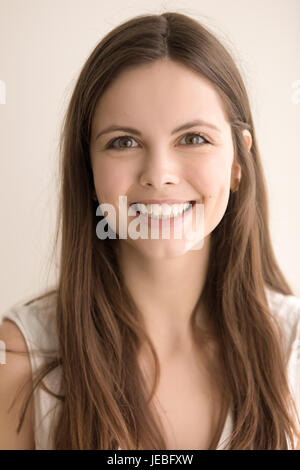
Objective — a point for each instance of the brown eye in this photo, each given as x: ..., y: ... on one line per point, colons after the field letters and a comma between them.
x: 195, y: 139
x: 125, y: 138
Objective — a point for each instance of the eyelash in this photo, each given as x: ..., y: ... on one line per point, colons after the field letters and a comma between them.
x: 109, y: 145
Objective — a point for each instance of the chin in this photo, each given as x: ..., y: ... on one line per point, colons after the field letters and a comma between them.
x: 160, y: 249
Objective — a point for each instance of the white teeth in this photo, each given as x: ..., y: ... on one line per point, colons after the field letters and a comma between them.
x: 163, y: 211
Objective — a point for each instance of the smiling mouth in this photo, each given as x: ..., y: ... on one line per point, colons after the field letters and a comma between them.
x: 161, y: 216
x: 137, y: 202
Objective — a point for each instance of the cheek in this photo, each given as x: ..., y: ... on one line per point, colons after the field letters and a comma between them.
x: 110, y: 181
x: 212, y: 182
x: 211, y: 178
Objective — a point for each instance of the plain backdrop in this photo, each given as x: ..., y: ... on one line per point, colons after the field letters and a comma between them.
x: 43, y: 45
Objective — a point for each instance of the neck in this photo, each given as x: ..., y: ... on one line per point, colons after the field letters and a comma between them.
x: 166, y: 291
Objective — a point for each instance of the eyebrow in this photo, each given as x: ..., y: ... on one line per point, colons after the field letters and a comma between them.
x: 185, y: 126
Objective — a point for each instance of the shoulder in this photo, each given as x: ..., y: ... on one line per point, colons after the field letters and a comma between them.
x: 36, y: 320
x: 15, y: 384
x: 12, y: 339
x: 29, y: 327
x: 286, y: 310
x: 283, y: 304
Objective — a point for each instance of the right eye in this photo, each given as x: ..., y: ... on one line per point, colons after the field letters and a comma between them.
x: 126, y: 137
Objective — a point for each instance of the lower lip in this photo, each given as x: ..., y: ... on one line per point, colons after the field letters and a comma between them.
x: 172, y: 221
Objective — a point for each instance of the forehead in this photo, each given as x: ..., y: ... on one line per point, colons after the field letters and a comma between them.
x: 164, y: 92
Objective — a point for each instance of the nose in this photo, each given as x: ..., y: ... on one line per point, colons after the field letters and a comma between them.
x: 159, y: 171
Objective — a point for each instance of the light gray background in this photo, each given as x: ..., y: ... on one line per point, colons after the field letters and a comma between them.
x: 43, y: 45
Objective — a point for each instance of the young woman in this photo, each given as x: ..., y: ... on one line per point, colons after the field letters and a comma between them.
x: 150, y: 343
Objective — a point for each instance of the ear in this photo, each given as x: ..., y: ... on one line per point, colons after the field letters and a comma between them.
x: 248, y: 138
x: 236, y: 172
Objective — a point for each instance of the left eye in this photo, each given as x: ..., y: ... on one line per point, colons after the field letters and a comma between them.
x: 127, y: 138
x: 195, y: 136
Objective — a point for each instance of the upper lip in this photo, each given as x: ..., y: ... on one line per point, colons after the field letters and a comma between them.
x: 162, y: 201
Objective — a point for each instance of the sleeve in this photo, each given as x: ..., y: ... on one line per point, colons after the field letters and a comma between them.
x: 294, y: 360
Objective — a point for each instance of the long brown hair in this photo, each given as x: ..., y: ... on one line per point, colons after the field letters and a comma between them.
x: 99, y: 327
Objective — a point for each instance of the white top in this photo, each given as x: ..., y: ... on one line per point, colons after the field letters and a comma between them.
x: 37, y: 323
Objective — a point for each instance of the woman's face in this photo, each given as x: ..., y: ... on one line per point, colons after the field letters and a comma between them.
x: 154, y: 161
